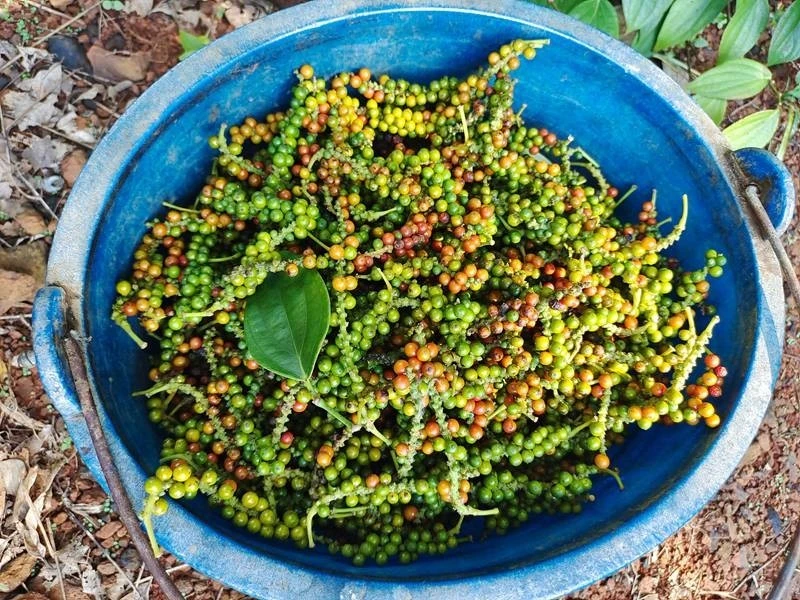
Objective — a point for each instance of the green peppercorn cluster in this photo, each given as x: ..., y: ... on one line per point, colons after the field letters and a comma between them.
x: 495, y: 327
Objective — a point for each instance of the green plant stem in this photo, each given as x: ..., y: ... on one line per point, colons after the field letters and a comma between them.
x: 147, y: 520
x: 126, y: 327
x: 332, y: 412
x: 320, y: 242
x: 677, y: 63
x: 180, y: 208
x: 220, y: 259
x: 788, y: 132
x: 615, y: 475
x: 625, y: 196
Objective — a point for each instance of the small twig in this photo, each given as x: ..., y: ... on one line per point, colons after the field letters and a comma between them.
x: 47, y: 535
x: 768, y: 562
x: 104, y: 553
x: 46, y: 8
x: 782, y: 589
x: 169, y: 571
x: 717, y: 594
x: 66, y: 137
x: 675, y: 62
x: 15, y: 317
x: 36, y: 195
x: 5, y: 135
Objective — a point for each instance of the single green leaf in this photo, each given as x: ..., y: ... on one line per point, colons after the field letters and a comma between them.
x: 754, y: 131
x: 736, y: 79
x: 785, y: 44
x: 713, y: 107
x: 685, y: 19
x: 599, y: 14
x: 644, y: 15
x: 744, y: 29
x: 191, y: 43
x: 285, y: 322
x: 566, y: 6
x: 644, y: 40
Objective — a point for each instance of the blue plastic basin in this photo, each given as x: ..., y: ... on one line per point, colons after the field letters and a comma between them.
x: 631, y: 118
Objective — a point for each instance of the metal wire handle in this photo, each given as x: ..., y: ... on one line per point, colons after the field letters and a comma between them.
x: 75, y: 347
x: 782, y: 589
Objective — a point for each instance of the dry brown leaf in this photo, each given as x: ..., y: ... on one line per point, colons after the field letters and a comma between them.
x: 76, y: 128
x: 44, y: 152
x: 60, y: 4
x: 34, y: 444
x: 3, y: 370
x: 72, y: 559
x: 72, y: 165
x: 31, y: 221
x: 92, y: 583
x: 26, y: 111
x: 10, y: 229
x: 16, y: 572
x: 30, y: 259
x: 12, y: 472
x: 240, y: 16
x: 17, y: 288
x: 45, y: 82
x: 72, y: 592
x: 118, y: 67
x: 140, y: 7
x: 31, y: 596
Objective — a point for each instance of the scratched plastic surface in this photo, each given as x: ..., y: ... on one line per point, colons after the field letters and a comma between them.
x: 630, y: 118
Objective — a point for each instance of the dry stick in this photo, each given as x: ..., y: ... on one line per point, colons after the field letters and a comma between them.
x: 74, y: 353
x: 781, y: 590
x: 104, y: 553
x: 36, y: 195
x: 755, y: 572
x: 66, y: 137
x: 51, y: 546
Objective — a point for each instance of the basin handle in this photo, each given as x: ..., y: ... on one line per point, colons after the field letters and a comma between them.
x: 774, y: 183
x: 49, y: 320
x: 61, y: 361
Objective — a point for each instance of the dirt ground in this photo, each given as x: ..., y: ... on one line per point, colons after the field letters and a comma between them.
x: 70, y: 68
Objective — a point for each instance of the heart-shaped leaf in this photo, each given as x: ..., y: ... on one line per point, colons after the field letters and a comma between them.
x: 744, y: 28
x: 285, y: 323
x: 644, y: 15
x: 713, y: 107
x: 685, y: 19
x: 785, y: 44
x: 599, y: 14
x: 754, y: 131
x: 733, y: 80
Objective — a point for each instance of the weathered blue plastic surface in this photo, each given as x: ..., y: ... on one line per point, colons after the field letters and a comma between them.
x: 631, y: 118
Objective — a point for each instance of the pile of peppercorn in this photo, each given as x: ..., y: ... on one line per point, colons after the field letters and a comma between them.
x: 491, y: 329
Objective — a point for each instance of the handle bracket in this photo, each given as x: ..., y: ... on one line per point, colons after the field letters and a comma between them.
x: 774, y: 183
